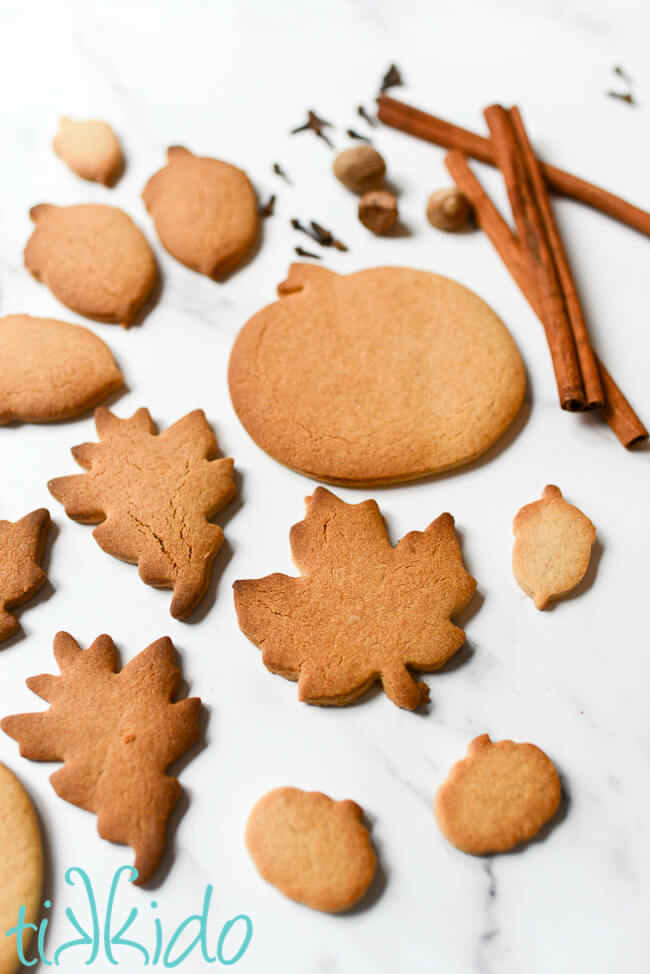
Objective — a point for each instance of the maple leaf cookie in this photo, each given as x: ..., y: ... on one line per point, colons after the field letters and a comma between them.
x: 384, y: 375
x: 117, y: 733
x: 21, y: 548
x: 51, y: 369
x: 361, y: 611
x: 204, y: 210
x: 552, y: 548
x: 152, y: 496
x: 21, y: 866
x: 314, y: 850
x: 90, y: 148
x: 498, y: 796
x: 94, y: 260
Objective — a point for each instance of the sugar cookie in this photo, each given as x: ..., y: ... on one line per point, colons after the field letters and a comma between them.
x: 552, y: 548
x: 21, y: 866
x: 90, y: 148
x: 361, y: 611
x: 384, y: 375
x: 313, y: 849
x: 94, y: 260
x: 500, y: 795
x: 51, y: 369
x: 21, y: 548
x: 117, y: 733
x: 204, y: 210
x: 152, y: 496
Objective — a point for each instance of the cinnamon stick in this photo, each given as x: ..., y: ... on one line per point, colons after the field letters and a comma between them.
x: 586, y: 359
x: 617, y: 412
x: 540, y: 264
x: 415, y: 122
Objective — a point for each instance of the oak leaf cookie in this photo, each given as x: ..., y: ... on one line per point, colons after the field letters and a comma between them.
x: 500, y: 795
x: 94, y: 260
x: 552, y: 548
x: 313, y: 849
x: 383, y: 375
x: 153, y: 496
x: 21, y: 548
x: 21, y: 866
x: 116, y: 732
x: 51, y: 369
x: 204, y: 210
x: 361, y: 611
x: 90, y: 148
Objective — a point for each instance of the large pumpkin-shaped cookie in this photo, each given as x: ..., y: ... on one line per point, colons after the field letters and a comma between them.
x: 384, y: 375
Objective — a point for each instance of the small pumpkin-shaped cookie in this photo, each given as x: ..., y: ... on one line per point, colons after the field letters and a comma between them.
x: 498, y: 796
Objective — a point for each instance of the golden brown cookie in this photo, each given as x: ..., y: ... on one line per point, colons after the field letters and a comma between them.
x: 117, y: 733
x: 21, y: 866
x: 361, y: 611
x: 153, y: 497
x: 205, y: 211
x: 384, y: 375
x: 500, y: 795
x: 552, y: 548
x: 51, y: 369
x: 313, y: 849
x: 21, y: 548
x: 93, y: 259
x: 90, y: 148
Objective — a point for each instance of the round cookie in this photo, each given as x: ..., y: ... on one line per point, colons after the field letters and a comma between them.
x: 204, y: 210
x: 314, y: 850
x: 380, y: 376
x: 90, y: 148
x: 498, y: 796
x: 21, y: 865
x: 93, y: 258
x: 51, y: 369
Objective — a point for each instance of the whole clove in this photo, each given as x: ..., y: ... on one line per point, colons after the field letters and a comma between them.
x: 392, y: 78
x: 267, y: 208
x: 325, y: 237
x: 622, y: 73
x: 357, y: 135
x: 316, y: 124
x: 279, y: 171
x: 318, y: 233
x: 365, y: 116
x: 306, y: 253
x: 625, y: 96
x: 297, y: 225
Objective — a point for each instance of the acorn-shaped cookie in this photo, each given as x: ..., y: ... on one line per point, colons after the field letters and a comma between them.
x: 205, y: 211
x: 93, y: 258
x: 552, y: 548
x: 314, y: 850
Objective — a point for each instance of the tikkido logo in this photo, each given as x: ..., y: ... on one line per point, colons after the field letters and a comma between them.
x: 107, y: 934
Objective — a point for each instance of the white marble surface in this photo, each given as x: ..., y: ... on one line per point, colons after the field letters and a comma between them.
x: 231, y: 79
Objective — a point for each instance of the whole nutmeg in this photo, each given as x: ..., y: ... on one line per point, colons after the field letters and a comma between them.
x: 378, y: 211
x: 359, y: 168
x: 448, y: 209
